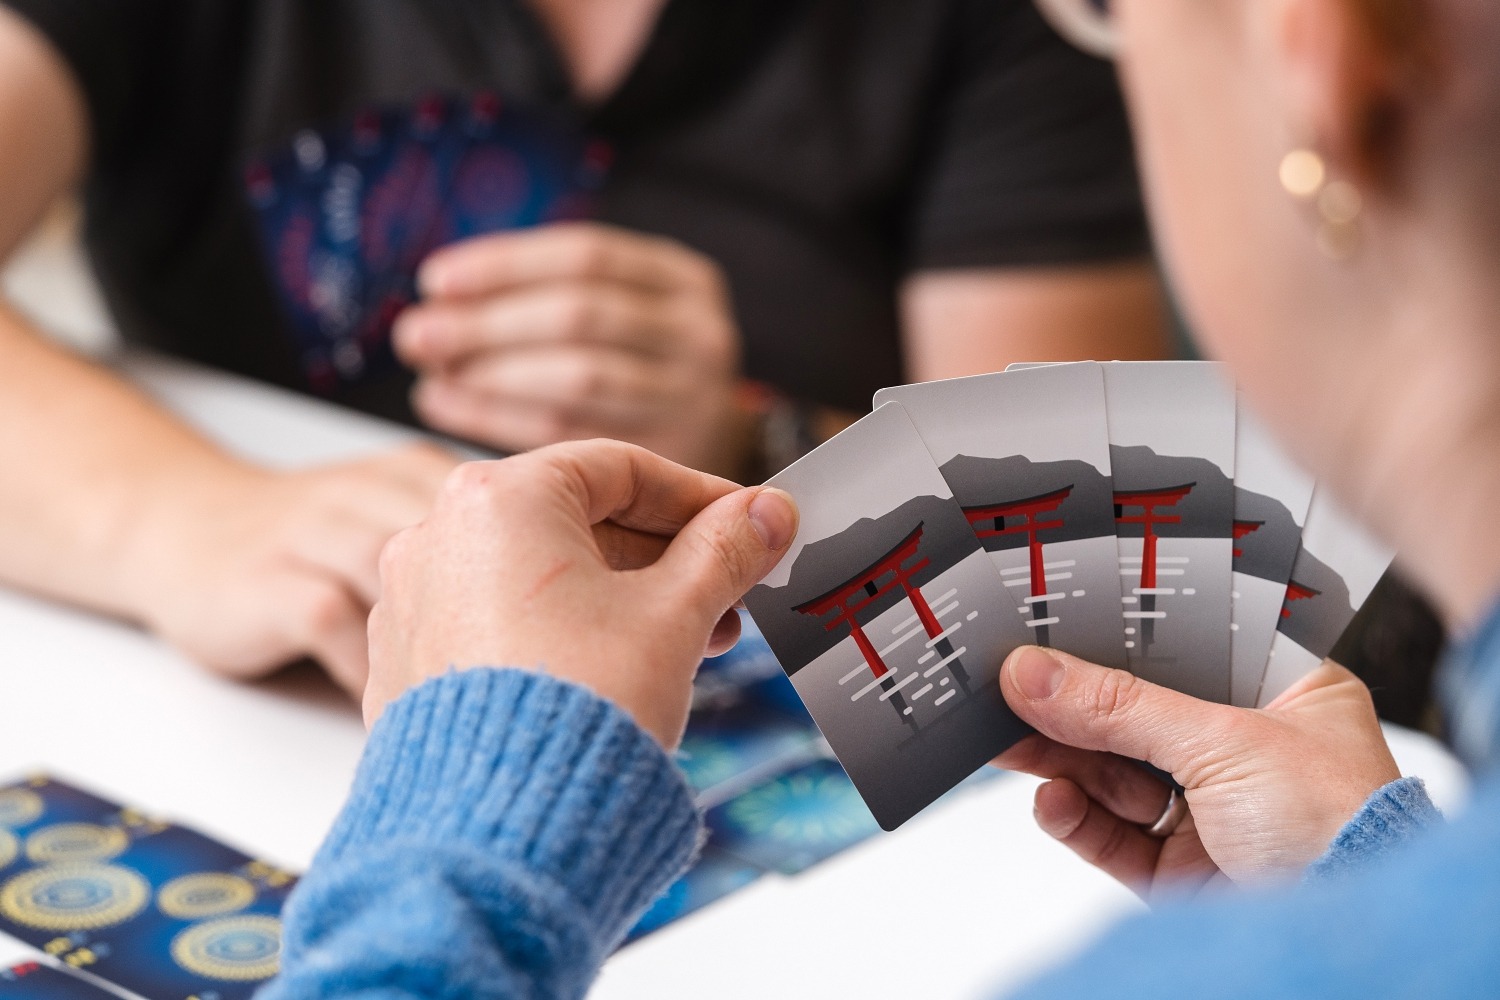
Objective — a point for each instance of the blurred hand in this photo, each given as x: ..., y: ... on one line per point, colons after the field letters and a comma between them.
x: 1267, y: 789
x: 251, y: 570
x: 571, y: 331
x: 598, y: 562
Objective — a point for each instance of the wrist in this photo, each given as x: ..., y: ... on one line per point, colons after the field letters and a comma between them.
x: 170, y: 530
x: 533, y: 773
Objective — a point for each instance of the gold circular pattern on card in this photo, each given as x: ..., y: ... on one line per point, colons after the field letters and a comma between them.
x: 74, y: 897
x: 239, y: 949
x: 205, y: 894
x: 19, y: 807
x: 76, y: 842
x: 9, y: 847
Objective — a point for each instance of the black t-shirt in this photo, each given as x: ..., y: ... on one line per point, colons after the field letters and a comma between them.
x: 819, y: 150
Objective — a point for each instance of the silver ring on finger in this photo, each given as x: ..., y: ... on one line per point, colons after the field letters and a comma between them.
x: 1171, y: 816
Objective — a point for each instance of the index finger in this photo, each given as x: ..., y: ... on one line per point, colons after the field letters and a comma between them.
x: 494, y: 263
x: 606, y: 480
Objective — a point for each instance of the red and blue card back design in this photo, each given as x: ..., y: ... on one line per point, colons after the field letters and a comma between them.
x: 347, y: 215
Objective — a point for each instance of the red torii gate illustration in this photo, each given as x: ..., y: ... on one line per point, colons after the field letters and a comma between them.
x: 1149, y: 518
x: 1029, y: 508
x: 1243, y: 528
x: 864, y: 588
x: 1296, y: 592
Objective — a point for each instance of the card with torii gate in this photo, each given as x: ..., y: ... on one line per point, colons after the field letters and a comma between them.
x: 1131, y: 513
x: 890, y: 618
x: 1171, y: 442
x: 1026, y: 454
x: 1271, y: 497
x: 1338, y: 563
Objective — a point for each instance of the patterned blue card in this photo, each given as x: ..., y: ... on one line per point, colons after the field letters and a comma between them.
x: 156, y: 908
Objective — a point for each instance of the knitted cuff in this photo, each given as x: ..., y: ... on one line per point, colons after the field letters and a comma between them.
x: 1391, y: 816
x: 530, y: 770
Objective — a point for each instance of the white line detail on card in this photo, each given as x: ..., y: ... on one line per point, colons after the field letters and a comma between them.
x: 873, y: 685
x: 940, y: 664
x: 886, y: 696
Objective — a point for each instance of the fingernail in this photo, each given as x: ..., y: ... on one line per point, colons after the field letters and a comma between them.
x: 774, y: 518
x: 1037, y: 673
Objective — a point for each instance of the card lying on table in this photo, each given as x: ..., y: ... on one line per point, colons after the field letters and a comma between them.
x: 35, y: 981
x: 155, y: 908
x: 890, y: 618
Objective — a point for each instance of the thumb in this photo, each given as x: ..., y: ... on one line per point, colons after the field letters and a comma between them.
x: 728, y: 547
x: 1083, y: 705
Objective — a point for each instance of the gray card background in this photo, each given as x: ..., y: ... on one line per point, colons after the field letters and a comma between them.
x: 938, y: 714
x: 1172, y: 423
x: 1273, y: 492
x: 1012, y: 435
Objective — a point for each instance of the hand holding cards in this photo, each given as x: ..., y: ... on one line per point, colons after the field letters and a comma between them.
x: 347, y: 215
x: 1094, y: 508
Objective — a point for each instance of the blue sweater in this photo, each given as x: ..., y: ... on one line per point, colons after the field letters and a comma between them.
x: 505, y: 829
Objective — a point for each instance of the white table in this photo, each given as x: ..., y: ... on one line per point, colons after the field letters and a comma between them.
x: 964, y: 899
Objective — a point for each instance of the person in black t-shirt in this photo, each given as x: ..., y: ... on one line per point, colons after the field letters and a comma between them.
x: 817, y: 197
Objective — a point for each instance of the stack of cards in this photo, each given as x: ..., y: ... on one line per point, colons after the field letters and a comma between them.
x: 111, y: 898
x: 1130, y: 513
x: 775, y: 801
x: 347, y: 217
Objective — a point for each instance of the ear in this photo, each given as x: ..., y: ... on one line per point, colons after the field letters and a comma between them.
x: 1344, y: 83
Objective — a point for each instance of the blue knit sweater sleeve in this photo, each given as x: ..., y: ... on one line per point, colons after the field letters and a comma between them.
x: 1389, y: 818
x: 504, y: 831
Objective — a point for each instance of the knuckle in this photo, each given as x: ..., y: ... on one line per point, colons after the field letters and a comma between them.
x: 720, y: 559
x: 393, y: 554
x: 474, y: 485
x: 576, y: 317
x: 1113, y: 696
x: 325, y: 611
x: 1112, y: 844
x: 591, y: 251
x: 583, y: 380
x: 469, y: 478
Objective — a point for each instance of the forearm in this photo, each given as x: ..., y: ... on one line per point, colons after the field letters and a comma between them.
x: 504, y: 831
x: 967, y: 322
x: 98, y: 475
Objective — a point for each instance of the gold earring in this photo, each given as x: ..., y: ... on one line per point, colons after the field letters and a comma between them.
x: 1304, y: 175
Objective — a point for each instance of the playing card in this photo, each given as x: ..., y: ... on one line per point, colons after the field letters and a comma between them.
x: 713, y: 876
x: 728, y: 749
x: 348, y: 214
x: 1337, y: 566
x: 793, y: 821
x: 283, y: 191
x: 35, y: 981
x: 1171, y: 435
x: 748, y: 672
x: 156, y: 908
x: 1026, y: 454
x: 521, y: 168
x: 433, y: 141
x: 1271, y: 495
x: 890, y: 618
